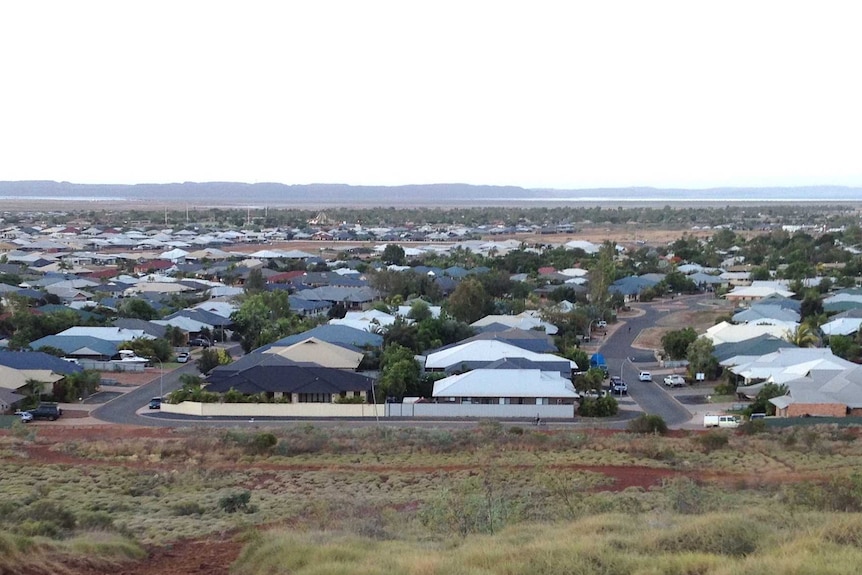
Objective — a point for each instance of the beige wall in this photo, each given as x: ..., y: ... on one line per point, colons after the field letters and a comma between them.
x: 274, y: 409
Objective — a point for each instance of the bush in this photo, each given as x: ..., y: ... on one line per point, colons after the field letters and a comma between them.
x: 188, y: 508
x: 647, y: 423
x: 753, y: 426
x: 263, y: 443
x: 712, y: 440
x: 601, y: 407
x: 237, y: 502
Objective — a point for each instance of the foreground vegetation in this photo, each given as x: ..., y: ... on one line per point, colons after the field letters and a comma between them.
x: 492, y: 499
x: 762, y: 540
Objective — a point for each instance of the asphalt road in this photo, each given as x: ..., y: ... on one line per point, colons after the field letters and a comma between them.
x: 618, y: 352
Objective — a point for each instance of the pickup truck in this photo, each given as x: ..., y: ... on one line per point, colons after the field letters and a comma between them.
x: 674, y: 380
x: 50, y: 411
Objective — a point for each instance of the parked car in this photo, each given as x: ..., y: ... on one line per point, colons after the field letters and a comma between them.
x: 183, y: 357
x: 674, y: 380
x: 644, y: 376
x: 26, y: 416
x: 50, y: 411
x: 602, y: 323
x: 594, y: 393
x: 200, y: 342
x: 156, y: 403
x: 619, y: 386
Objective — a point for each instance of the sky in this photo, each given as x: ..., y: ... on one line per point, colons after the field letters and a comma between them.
x: 569, y: 94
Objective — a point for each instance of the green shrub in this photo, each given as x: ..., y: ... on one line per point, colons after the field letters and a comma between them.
x: 95, y: 520
x: 237, y: 502
x: 263, y: 443
x: 515, y: 430
x: 601, y: 407
x: 188, y: 508
x: 716, y: 534
x: 712, y: 440
x: 753, y: 426
x: 647, y: 423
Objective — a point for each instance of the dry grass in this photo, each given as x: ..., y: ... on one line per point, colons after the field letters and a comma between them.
x: 416, y: 487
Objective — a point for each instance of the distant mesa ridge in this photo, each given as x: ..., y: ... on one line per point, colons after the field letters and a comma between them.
x: 451, y: 194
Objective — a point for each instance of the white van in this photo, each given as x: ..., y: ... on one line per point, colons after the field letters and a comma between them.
x: 719, y: 420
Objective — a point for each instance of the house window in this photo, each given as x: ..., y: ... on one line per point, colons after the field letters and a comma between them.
x: 315, y: 398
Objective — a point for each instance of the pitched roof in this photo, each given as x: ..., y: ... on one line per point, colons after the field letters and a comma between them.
x: 292, y: 379
x: 483, y: 352
x: 531, y: 340
x: 80, y: 345
x: 527, y: 383
x: 342, y: 335
x: 325, y: 354
x: 37, y: 360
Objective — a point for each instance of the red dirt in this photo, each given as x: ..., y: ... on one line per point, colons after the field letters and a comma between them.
x: 212, y: 556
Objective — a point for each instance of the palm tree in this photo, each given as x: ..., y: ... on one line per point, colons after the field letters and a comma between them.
x: 803, y: 336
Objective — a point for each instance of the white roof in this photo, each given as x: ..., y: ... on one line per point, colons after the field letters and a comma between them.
x: 185, y: 324
x: 506, y: 383
x: 725, y: 332
x: 754, y: 291
x: 842, y: 326
x: 486, y: 350
x: 520, y: 321
x: 588, y: 247
x: 222, y: 308
x: 112, y: 334
x: 173, y: 255
x: 788, y: 364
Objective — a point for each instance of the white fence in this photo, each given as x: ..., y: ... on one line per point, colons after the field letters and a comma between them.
x: 131, y: 367
x: 274, y: 409
x: 418, y: 410
x: 479, y: 410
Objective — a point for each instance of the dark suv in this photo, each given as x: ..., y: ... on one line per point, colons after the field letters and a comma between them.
x: 199, y: 342
x: 49, y: 411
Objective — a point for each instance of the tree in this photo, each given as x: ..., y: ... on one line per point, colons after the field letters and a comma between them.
x: 844, y: 347
x: 399, y: 371
x: 469, y: 302
x: 701, y: 359
x: 675, y: 343
x: 211, y: 358
x: 761, y: 401
x: 602, y: 276
x: 393, y: 254
x: 255, y: 282
x: 77, y: 385
x: 419, y: 311
x: 265, y: 317
x: 802, y: 336
x: 137, y: 308
x: 159, y: 348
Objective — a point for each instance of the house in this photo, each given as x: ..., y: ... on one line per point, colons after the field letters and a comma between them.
x: 531, y: 340
x: 524, y: 321
x: 345, y: 336
x: 506, y: 387
x: 78, y: 346
x: 825, y: 393
x: 481, y: 353
x: 319, y: 352
x: 279, y: 378
x: 756, y: 292
x: 725, y: 332
x: 786, y: 365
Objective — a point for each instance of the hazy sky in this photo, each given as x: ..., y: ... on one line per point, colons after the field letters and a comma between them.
x: 537, y: 94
